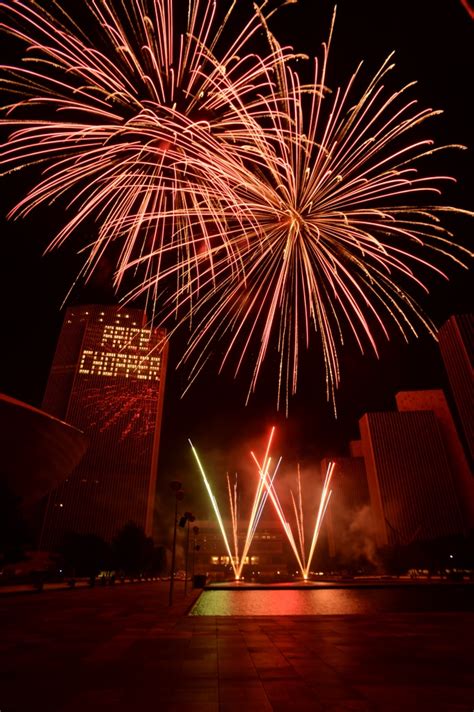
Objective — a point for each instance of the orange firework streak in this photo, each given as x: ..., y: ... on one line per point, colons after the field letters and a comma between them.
x: 268, y: 208
x: 261, y: 494
x: 304, y: 564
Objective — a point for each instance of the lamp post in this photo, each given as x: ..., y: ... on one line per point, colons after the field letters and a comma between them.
x: 195, y: 548
x: 179, y: 494
x: 189, y: 518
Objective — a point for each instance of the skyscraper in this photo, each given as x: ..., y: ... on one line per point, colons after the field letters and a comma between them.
x: 412, y: 493
x: 456, y: 343
x: 107, y: 379
x: 435, y: 401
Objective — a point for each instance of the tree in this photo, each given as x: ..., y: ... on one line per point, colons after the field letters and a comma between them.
x: 14, y: 534
x: 86, y: 554
x: 133, y: 550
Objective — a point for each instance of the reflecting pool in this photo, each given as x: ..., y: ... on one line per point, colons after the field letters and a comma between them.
x: 333, y: 601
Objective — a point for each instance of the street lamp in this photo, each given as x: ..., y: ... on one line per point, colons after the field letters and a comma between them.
x: 175, y: 486
x: 196, y: 547
x: 189, y: 518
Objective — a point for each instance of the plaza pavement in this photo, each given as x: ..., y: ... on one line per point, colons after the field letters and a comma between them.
x: 123, y: 648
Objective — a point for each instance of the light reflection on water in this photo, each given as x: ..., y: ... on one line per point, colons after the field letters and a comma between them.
x: 296, y: 602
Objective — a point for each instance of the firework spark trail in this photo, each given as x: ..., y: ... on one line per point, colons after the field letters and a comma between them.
x: 261, y: 498
x: 140, y: 120
x: 258, y: 505
x: 216, y: 509
x: 298, y: 510
x: 331, y: 245
x: 234, y: 515
x: 276, y: 210
x: 268, y: 484
x: 304, y: 563
x: 325, y: 497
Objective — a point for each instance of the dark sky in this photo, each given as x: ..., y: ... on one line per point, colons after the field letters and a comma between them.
x: 433, y: 44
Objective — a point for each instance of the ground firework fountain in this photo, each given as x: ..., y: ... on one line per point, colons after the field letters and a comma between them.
x: 261, y: 494
x: 297, y: 548
x: 265, y: 489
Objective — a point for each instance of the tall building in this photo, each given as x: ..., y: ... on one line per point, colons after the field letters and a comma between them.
x: 456, y: 343
x: 107, y: 379
x: 412, y: 493
x: 435, y: 401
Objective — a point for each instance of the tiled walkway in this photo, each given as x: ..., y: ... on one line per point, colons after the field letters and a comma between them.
x: 124, y: 649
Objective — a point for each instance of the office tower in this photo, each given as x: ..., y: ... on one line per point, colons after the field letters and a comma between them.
x: 107, y: 379
x: 456, y: 343
x: 435, y: 401
x: 411, y: 487
x: 348, y: 520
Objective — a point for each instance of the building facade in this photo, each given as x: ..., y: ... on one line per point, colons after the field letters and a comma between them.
x: 412, y: 493
x: 435, y: 401
x: 456, y: 343
x: 107, y: 379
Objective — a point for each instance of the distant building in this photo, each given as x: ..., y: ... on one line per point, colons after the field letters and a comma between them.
x: 435, y: 401
x: 456, y: 343
x: 348, y: 519
x: 268, y: 555
x: 107, y: 379
x: 412, y: 493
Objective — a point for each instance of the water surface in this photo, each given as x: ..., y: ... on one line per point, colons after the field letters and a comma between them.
x: 338, y: 601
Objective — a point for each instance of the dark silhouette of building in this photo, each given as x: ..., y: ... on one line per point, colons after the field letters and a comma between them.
x: 412, y: 493
x: 435, y: 401
x: 456, y: 343
x: 107, y: 379
x: 27, y: 473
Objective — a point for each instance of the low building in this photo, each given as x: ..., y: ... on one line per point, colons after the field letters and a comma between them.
x: 267, y: 557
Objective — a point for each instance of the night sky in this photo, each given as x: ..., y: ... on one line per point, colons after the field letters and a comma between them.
x: 433, y: 44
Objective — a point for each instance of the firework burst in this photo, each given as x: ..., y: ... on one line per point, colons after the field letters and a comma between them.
x: 339, y: 229
x: 279, y: 210
x: 130, y: 122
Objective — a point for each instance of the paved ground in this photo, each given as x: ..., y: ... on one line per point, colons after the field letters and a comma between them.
x: 122, y: 648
